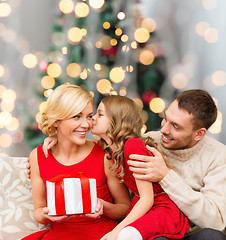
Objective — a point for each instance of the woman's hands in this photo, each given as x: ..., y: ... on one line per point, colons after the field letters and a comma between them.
x: 63, y: 218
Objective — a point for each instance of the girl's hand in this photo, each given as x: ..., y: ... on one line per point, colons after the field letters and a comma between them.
x: 110, y: 236
x: 98, y: 210
x: 49, y: 142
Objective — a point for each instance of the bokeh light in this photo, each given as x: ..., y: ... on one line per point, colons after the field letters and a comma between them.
x: 106, y: 25
x: 5, y: 9
x: 30, y: 60
x: 121, y: 15
x: 141, y: 35
x: 47, y: 82
x: 9, y: 95
x: 7, y: 106
x: 146, y: 57
x: 201, y: 27
x: 139, y: 103
x: 149, y: 24
x: 81, y: 10
x: 73, y: 70
x: 13, y: 124
x: 54, y: 70
x: 66, y: 6
x: 219, y: 78
x: 96, y: 4
x: 217, y: 125
x: 5, y: 140
x: 42, y: 106
x: 209, y: 4
x: 2, y: 70
x: 75, y: 35
x: 117, y: 75
x: 211, y: 35
x: 157, y: 105
x: 179, y: 81
x: 104, y: 86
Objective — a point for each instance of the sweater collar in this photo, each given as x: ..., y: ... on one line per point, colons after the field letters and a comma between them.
x: 182, y: 154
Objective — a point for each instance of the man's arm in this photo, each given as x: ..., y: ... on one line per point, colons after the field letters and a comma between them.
x: 205, y: 208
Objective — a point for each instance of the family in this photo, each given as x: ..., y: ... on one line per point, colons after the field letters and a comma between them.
x: 169, y: 184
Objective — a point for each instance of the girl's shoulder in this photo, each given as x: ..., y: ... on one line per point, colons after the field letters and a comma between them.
x: 134, y: 141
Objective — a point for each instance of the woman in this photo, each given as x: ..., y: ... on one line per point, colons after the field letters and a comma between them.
x: 69, y: 112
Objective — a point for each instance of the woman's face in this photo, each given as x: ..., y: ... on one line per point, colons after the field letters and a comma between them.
x: 76, y: 128
x: 101, y: 123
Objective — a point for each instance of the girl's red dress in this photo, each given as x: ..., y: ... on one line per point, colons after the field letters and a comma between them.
x: 164, y: 218
x: 78, y: 228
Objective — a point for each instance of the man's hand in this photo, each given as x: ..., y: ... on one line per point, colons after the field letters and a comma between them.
x: 150, y: 168
x: 28, y: 166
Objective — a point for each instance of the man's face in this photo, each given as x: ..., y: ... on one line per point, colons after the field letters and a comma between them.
x: 177, y: 129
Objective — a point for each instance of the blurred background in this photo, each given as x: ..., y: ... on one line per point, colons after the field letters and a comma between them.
x: 147, y: 50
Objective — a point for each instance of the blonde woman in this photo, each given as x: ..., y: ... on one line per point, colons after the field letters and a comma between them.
x: 69, y: 112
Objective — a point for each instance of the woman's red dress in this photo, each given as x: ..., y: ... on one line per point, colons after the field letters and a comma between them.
x: 78, y: 228
x: 164, y: 218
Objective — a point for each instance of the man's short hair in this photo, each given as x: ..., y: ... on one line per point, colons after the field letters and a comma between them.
x: 201, y: 105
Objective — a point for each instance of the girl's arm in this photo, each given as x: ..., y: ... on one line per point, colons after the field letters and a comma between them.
x: 140, y: 208
x: 145, y: 190
x: 120, y: 194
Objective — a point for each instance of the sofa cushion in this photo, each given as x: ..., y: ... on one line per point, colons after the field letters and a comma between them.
x: 16, y: 205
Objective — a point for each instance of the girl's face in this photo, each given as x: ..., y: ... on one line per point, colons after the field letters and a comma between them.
x: 76, y: 128
x: 101, y: 122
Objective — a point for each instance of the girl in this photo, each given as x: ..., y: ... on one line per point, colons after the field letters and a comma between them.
x: 152, y: 214
x: 69, y: 112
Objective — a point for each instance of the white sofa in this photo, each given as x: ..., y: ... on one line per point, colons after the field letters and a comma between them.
x: 16, y: 205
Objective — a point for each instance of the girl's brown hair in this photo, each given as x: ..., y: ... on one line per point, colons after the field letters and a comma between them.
x: 125, y: 123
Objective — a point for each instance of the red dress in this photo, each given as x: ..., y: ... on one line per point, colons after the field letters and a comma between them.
x: 164, y: 218
x: 78, y: 228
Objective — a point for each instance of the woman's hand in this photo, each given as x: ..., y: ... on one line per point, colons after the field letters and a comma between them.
x: 98, y: 210
x: 58, y: 219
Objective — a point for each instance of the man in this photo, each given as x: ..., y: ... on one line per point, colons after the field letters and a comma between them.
x: 197, y: 180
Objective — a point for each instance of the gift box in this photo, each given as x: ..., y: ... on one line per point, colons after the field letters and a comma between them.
x: 71, y: 194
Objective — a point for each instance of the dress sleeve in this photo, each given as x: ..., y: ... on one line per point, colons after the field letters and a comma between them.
x: 135, y: 146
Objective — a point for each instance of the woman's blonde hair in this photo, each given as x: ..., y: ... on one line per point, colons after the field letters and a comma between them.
x: 65, y: 101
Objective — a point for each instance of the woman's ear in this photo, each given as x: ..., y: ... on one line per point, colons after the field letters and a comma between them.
x: 56, y: 123
x: 200, y: 134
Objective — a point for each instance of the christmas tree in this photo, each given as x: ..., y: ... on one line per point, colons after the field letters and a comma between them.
x: 107, y: 47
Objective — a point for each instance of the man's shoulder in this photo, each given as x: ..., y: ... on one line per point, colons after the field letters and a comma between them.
x: 213, y: 143
x: 156, y: 135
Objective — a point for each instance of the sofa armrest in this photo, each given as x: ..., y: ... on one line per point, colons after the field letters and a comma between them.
x: 16, y: 205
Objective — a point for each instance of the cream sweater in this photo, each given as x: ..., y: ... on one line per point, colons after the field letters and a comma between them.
x: 197, y: 183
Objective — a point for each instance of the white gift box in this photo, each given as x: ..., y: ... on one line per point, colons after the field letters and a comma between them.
x: 72, y: 197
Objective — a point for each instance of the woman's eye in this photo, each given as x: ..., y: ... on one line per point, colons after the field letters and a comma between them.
x: 76, y: 117
x: 90, y: 117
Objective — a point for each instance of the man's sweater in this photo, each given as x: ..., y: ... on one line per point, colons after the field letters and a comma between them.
x: 197, y: 182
